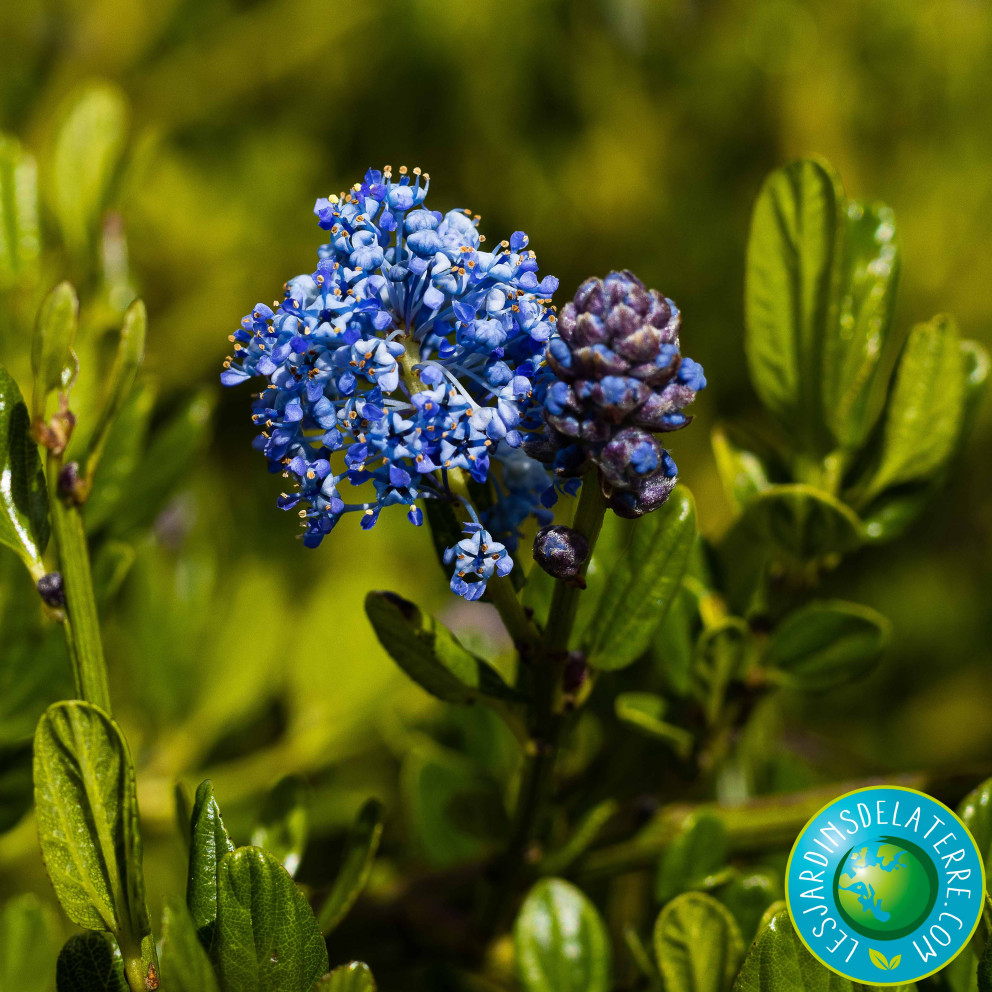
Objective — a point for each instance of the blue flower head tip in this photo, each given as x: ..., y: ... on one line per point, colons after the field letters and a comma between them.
x: 476, y: 559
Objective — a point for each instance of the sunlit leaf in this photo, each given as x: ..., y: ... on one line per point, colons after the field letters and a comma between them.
x: 209, y: 842
x: 644, y: 712
x: 353, y: 977
x: 20, y: 240
x: 185, y: 965
x: 742, y: 472
x: 24, y: 524
x: 788, y: 299
x: 643, y: 583
x: 87, y: 815
x: 430, y: 654
x: 52, y: 363
x: 699, y: 850
x: 697, y: 944
x: 560, y: 940
x: 267, y: 939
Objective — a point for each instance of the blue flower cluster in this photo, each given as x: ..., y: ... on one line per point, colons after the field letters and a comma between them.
x: 406, y: 357
x: 615, y: 379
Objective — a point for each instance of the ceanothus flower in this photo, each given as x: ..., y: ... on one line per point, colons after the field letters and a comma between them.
x: 406, y: 357
x: 615, y: 379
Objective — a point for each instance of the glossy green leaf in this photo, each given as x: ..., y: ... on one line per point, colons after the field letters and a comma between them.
x: 87, y: 815
x: 130, y: 352
x: 52, y: 361
x: 209, y: 842
x: 353, y: 977
x: 284, y: 822
x: 359, y: 857
x: 788, y: 293
x: 926, y: 407
x: 644, y: 711
x: 430, y: 654
x: 699, y: 850
x: 583, y: 835
x: 561, y: 943
x: 643, y: 584
x: 455, y: 812
x: 24, y: 524
x: 976, y: 814
x: 869, y: 273
x: 779, y: 962
x: 826, y: 644
x: 267, y: 939
x: 20, y: 237
x: 89, y: 962
x: 800, y: 524
x: 697, y: 944
x: 87, y: 154
x: 742, y: 472
x: 748, y: 896
x: 27, y: 948
x: 185, y: 965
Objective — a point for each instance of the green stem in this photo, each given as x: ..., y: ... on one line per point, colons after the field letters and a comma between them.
x: 82, y: 623
x: 535, y: 790
x: 758, y: 825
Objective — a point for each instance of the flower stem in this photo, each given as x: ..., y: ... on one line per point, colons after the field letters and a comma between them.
x: 82, y: 623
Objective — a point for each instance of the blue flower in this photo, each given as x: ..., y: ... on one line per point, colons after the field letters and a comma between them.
x: 407, y: 355
x: 476, y: 559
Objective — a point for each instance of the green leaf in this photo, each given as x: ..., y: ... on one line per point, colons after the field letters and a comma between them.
x: 749, y: 896
x: 976, y: 813
x: 24, y: 523
x: 430, y: 654
x: 209, y: 842
x: 130, y: 351
x: 644, y: 712
x: 52, y: 361
x: 926, y: 408
x: 87, y: 154
x: 267, y: 939
x: 89, y: 962
x: 560, y: 941
x: 27, y: 946
x: 353, y: 977
x: 826, y: 644
x: 742, y: 472
x: 20, y: 237
x: 788, y: 291
x: 353, y: 876
x: 778, y: 962
x: 867, y: 292
x: 800, y: 524
x: 284, y: 822
x: 643, y: 584
x: 185, y: 965
x: 34, y: 674
x: 699, y: 850
x: 581, y: 839
x: 698, y: 945
x: 720, y: 658
x: 112, y: 562
x: 456, y: 813
x: 87, y: 815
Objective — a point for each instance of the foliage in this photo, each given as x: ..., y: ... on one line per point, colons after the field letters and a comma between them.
x: 516, y: 837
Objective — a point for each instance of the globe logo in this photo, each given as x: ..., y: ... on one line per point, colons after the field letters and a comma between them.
x: 885, y: 888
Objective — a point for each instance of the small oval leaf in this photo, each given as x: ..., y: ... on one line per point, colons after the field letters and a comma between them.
x: 89, y: 962
x: 560, y: 940
x: 699, y: 850
x: 267, y: 939
x: 87, y: 815
x: 209, y: 842
x: 353, y: 977
x: 642, y: 584
x: 20, y: 238
x: 52, y: 343
x: 826, y: 644
x: 697, y: 944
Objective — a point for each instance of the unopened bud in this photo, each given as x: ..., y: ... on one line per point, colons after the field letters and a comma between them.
x: 561, y: 552
x: 52, y: 589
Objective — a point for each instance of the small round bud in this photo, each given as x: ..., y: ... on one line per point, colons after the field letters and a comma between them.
x: 52, y: 589
x: 575, y: 673
x: 561, y: 552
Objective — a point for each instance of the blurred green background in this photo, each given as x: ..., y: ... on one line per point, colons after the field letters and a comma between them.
x: 617, y: 133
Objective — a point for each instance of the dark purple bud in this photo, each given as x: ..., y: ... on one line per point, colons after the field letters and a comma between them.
x: 561, y: 552
x: 575, y: 672
x: 68, y: 480
x: 630, y: 457
x: 52, y: 589
x: 634, y: 503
